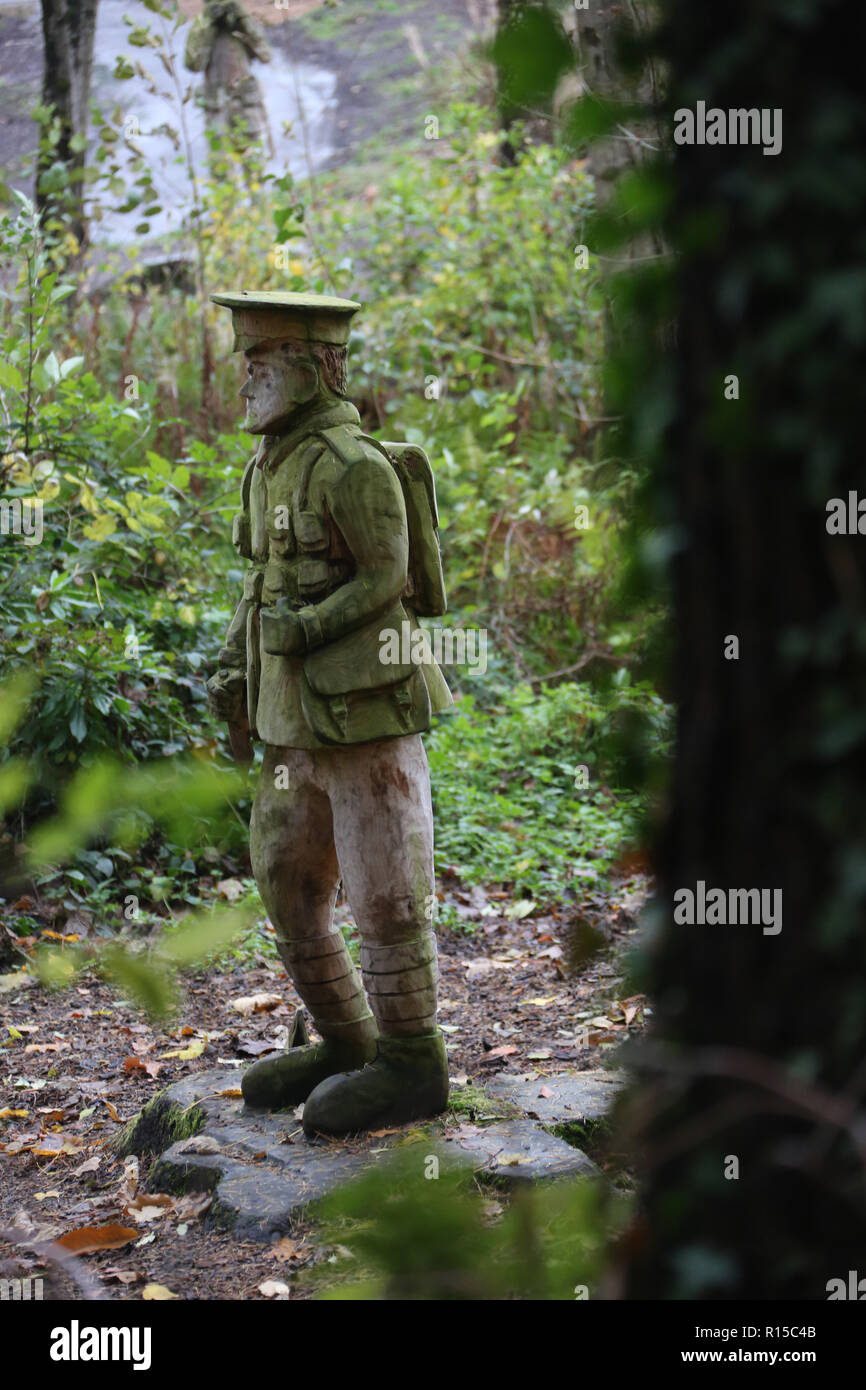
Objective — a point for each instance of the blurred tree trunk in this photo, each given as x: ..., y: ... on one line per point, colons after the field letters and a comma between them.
x: 68, y: 28
x: 604, y: 32
x: 748, y: 1113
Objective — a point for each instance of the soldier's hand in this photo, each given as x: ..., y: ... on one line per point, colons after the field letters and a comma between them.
x: 225, y: 693
x: 282, y: 633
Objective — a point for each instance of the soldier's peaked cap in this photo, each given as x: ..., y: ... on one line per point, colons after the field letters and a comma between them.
x: 259, y: 315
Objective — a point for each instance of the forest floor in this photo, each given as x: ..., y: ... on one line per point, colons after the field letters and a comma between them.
x: 545, y: 993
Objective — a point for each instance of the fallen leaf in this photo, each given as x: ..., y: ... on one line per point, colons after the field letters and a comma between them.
x: 186, y: 1054
x: 89, y: 1165
x: 542, y: 1054
x: 545, y: 1092
x: 8, y: 1114
x: 380, y: 1133
x: 149, y: 1206
x: 19, y: 979
x: 482, y: 966
x: 230, y: 888
x: 286, y: 1249
x: 507, y: 1050
x: 87, y: 1238
x: 157, y: 1293
x: 256, y: 1003
x: 199, y: 1144
x: 51, y: 1145
x: 133, y: 1064
x: 543, y: 1002
x: 123, y: 1276
x: 43, y: 1196
x: 129, y: 1182
x: 193, y: 1204
x: 250, y: 1048
x: 550, y: 953
x: 112, y: 1112
x: 233, y: 1092
x: 187, y: 1032
x: 274, y: 1288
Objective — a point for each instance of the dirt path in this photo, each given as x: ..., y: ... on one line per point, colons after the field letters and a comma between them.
x: 77, y: 1064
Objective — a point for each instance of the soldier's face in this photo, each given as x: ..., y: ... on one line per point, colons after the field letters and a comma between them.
x: 276, y: 385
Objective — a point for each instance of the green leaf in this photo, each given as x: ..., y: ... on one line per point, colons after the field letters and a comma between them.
x: 14, y: 779
x: 10, y: 376
x: 78, y: 724
x: 202, y: 934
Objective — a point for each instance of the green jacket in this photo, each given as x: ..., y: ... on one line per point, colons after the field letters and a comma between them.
x: 323, y: 524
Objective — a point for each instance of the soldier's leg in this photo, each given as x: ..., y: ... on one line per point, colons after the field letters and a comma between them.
x: 296, y: 869
x: 383, y: 830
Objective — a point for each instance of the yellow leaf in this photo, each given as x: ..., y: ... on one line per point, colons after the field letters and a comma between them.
x: 157, y: 1293
x: 8, y: 1114
x: 102, y: 528
x: 186, y: 1054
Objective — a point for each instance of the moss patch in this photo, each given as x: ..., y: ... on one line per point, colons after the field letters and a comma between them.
x: 159, y: 1124
x: 473, y: 1102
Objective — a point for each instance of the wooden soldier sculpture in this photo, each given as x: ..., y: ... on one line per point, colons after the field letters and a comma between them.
x: 221, y: 43
x: 340, y: 533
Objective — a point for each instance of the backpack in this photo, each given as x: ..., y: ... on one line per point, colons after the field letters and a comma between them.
x: 426, y: 591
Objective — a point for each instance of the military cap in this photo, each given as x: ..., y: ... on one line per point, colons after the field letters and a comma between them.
x: 259, y: 315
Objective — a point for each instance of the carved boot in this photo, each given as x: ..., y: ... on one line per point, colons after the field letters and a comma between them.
x: 408, y: 1080
x: 325, y: 978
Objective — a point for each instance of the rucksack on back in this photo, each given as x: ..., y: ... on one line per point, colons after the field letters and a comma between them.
x: 412, y: 466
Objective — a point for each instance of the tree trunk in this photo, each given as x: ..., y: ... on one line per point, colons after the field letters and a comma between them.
x: 749, y: 1111
x: 69, y: 28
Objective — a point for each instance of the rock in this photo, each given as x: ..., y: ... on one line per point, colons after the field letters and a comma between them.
x: 263, y: 1171
x: 579, y: 1097
x: 520, y: 1151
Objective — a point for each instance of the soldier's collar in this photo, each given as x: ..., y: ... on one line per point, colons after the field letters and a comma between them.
x: 310, y: 420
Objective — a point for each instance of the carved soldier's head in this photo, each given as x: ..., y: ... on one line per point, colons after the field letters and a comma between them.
x: 295, y: 350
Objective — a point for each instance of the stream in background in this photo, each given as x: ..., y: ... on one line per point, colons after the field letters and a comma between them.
x: 296, y: 93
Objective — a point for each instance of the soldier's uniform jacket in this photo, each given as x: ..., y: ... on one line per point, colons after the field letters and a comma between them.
x: 324, y: 526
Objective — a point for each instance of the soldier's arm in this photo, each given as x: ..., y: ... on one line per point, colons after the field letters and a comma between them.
x: 226, y: 687
x: 367, y: 506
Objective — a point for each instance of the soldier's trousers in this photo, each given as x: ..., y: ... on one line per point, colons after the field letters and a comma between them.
x: 361, y: 814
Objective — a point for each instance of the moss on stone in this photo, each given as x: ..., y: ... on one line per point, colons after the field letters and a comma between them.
x: 474, y: 1102
x: 158, y: 1124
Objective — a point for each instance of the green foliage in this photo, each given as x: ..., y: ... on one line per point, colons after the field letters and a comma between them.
x: 480, y: 339
x: 507, y: 807
x: 414, y: 1237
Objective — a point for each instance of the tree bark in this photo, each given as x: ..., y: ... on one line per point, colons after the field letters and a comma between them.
x: 749, y: 1113
x: 68, y: 28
